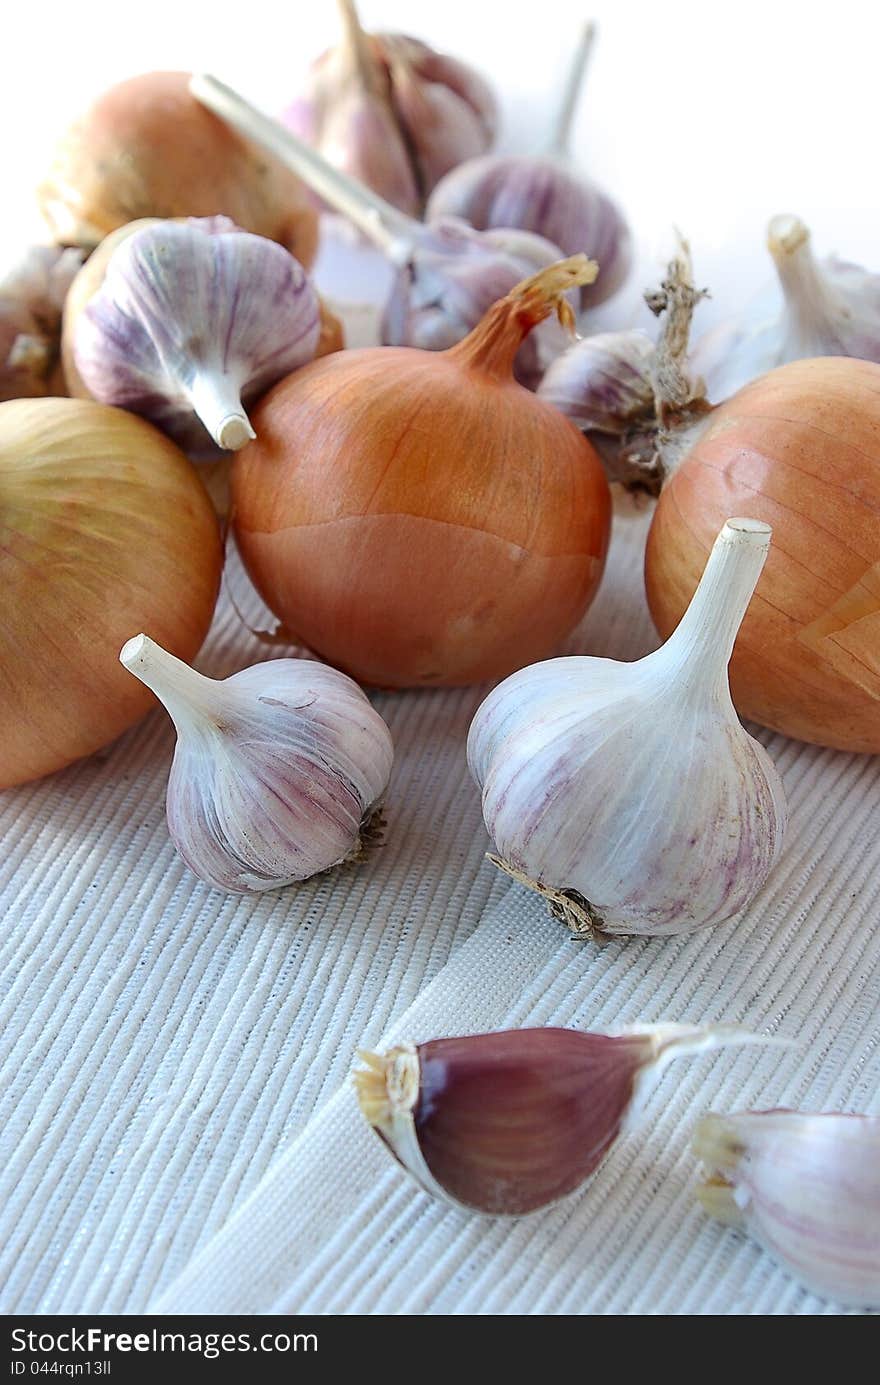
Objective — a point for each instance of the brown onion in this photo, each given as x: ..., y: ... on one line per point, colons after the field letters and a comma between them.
x: 800, y: 449
x: 147, y: 148
x: 106, y: 529
x: 418, y: 518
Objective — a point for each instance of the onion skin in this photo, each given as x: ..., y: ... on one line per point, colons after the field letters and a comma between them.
x: 106, y: 528
x: 800, y: 449
x: 415, y: 530
x: 147, y: 148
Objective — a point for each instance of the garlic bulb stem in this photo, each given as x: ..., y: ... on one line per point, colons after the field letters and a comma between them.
x: 389, y: 229
x: 558, y: 145
x: 809, y: 300
x: 215, y: 398
x: 179, y: 687
x: 700, y: 647
x: 356, y: 40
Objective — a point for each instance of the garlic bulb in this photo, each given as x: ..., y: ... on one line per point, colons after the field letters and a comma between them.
x: 277, y: 772
x: 807, y: 1186
x: 508, y: 1123
x: 190, y: 319
x: 582, y: 764
x: 446, y: 274
x: 31, y: 299
x: 829, y: 308
x: 544, y: 195
x: 603, y: 383
x: 392, y: 112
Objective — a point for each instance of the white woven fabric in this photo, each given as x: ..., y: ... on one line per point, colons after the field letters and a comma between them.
x: 177, y: 1130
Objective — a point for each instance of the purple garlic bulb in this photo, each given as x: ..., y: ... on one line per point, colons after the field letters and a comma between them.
x: 392, y: 112
x: 278, y: 770
x: 446, y: 273
x: 543, y: 194
x: 192, y: 321
x: 31, y: 301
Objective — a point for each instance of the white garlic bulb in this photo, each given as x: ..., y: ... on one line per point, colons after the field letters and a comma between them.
x: 193, y: 318
x: 828, y: 308
x: 807, y: 1186
x: 630, y: 795
x: 277, y: 770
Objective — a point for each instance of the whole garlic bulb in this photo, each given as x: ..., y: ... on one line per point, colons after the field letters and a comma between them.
x: 604, y: 384
x: 544, y: 194
x: 277, y: 772
x: 392, y: 112
x: 446, y: 274
x: 630, y: 795
x: 191, y: 319
x: 807, y: 1186
x: 32, y: 296
x: 828, y: 308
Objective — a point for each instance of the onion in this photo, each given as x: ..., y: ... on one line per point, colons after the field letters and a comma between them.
x: 418, y: 518
x: 106, y: 529
x: 147, y: 148
x: 800, y: 449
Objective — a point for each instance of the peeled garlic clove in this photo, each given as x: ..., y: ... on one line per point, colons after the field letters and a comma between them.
x: 509, y: 1123
x: 191, y: 319
x: 581, y: 764
x: 392, y: 112
x: 277, y: 770
x: 31, y: 299
x: 807, y: 1186
x: 828, y: 308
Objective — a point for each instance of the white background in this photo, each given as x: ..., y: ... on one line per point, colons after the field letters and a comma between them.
x: 710, y: 117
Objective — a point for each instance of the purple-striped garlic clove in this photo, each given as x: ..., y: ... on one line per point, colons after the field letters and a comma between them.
x: 508, y: 1123
x: 807, y: 1187
x: 278, y: 773
x: 192, y: 321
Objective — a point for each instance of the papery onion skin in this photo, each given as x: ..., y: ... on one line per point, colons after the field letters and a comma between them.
x: 147, y: 148
x: 800, y: 449
x: 106, y: 528
x: 414, y: 530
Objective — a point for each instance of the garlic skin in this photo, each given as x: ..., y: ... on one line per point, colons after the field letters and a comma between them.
x: 807, y: 1186
x: 829, y: 308
x: 32, y: 296
x: 508, y: 1123
x: 446, y: 273
x: 277, y: 770
x: 193, y: 318
x: 581, y: 763
x: 392, y: 112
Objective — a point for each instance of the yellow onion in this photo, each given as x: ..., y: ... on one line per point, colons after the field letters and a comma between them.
x: 106, y: 528
x: 417, y: 517
x: 798, y: 448
x: 147, y: 148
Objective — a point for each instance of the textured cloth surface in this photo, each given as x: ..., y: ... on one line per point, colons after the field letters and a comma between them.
x: 177, y: 1128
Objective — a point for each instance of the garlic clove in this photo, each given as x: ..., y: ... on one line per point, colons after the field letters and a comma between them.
x: 31, y: 299
x: 580, y: 762
x: 807, y: 1186
x: 191, y: 319
x: 509, y: 1123
x: 277, y: 770
x: 828, y: 308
